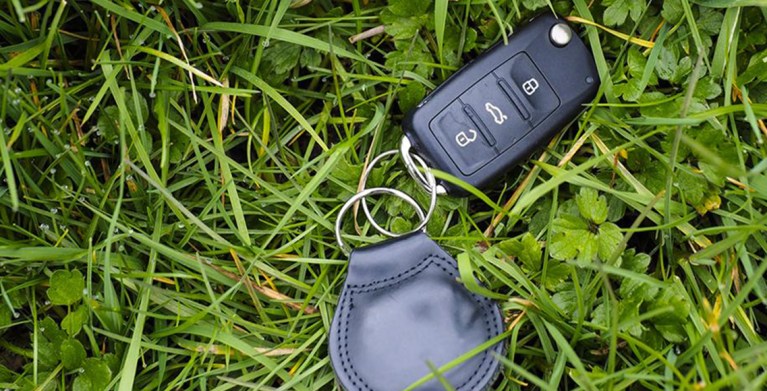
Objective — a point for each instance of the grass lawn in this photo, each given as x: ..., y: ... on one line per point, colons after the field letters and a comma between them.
x: 172, y: 171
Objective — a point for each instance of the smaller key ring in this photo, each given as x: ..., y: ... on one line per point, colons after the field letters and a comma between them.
x: 361, y: 195
x: 404, y: 148
x: 431, y: 182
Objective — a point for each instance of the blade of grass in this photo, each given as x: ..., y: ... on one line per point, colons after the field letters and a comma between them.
x: 54, y: 28
x: 23, y: 58
x: 287, y: 36
x: 177, y: 62
x: 277, y: 97
x: 10, y: 178
x: 130, y: 14
x: 172, y: 200
x: 440, y: 19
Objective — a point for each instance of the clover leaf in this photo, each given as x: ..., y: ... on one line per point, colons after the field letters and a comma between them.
x: 585, y: 235
x: 409, y: 7
x: 95, y: 377
x: 48, y: 354
x: 279, y: 60
x: 108, y: 123
x: 670, y: 67
x: 66, y: 287
x: 535, y: 4
x: 673, y: 11
x: 616, y: 13
x: 403, y: 18
x: 672, y: 296
x: 75, y: 320
x: 632, y: 287
x: 609, y: 237
x: 51, y: 331
x: 526, y: 249
x: 591, y: 205
x: 627, y: 310
x: 416, y: 60
x: 72, y: 353
x: 556, y: 275
x: 409, y: 96
x: 567, y: 300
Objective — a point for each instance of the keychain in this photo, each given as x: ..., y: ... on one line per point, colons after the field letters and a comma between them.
x: 402, y: 309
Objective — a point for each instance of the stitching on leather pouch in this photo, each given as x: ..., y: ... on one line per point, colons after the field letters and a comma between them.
x: 399, y: 278
x: 344, y: 351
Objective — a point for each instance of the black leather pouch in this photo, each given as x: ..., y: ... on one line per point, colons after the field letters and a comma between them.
x: 401, y: 309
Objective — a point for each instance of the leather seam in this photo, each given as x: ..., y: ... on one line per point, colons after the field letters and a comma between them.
x: 369, y: 287
x: 346, y: 363
x: 401, y: 276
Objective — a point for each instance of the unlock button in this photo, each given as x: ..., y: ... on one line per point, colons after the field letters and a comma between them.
x: 462, y: 139
x: 466, y: 137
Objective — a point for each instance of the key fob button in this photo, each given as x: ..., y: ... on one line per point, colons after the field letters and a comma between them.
x: 560, y: 35
x: 461, y: 139
x: 527, y: 82
x: 474, y: 117
x: 500, y: 116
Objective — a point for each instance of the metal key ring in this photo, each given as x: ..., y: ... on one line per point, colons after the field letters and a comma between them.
x: 429, y: 177
x: 360, y: 196
x: 404, y: 148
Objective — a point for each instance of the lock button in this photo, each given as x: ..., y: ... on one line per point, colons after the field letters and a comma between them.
x: 462, y: 139
x: 521, y: 80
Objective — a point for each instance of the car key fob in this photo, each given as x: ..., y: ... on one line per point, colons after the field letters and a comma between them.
x: 506, y: 104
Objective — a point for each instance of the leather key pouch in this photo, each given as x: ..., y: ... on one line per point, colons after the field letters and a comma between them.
x: 401, y: 309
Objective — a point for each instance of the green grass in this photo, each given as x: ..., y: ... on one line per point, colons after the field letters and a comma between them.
x: 173, y: 172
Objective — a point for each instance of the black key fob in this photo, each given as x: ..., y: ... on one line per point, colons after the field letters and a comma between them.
x: 506, y: 104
